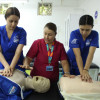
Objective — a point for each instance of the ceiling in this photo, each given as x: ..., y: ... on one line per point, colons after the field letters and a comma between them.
x: 68, y: 3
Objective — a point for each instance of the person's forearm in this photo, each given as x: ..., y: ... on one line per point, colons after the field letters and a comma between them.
x: 15, y: 60
x: 88, y: 62
x: 79, y: 60
x: 27, y: 61
x: 17, y: 55
x: 89, y: 58
x: 65, y: 66
x: 3, y: 61
x: 79, y: 63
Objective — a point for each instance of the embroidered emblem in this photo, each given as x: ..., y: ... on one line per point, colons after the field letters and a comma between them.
x: 12, y: 90
x: 88, y: 42
x: 74, y: 41
x: 16, y: 39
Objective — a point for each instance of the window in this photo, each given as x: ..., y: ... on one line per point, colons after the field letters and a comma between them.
x: 44, y: 8
x: 3, y: 8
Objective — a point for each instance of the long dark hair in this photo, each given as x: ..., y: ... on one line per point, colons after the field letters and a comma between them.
x: 12, y: 11
x: 86, y: 20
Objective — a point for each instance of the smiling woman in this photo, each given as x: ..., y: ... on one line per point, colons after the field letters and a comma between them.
x: 47, y: 52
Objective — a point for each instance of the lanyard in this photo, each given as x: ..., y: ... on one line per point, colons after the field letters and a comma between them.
x: 50, y: 52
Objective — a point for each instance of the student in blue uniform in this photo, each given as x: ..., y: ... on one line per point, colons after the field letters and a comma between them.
x: 12, y: 41
x: 83, y: 43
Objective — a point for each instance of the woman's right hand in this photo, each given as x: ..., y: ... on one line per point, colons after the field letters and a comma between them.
x: 85, y: 76
x: 7, y: 71
x: 26, y: 67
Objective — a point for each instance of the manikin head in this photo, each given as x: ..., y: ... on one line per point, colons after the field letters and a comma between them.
x: 37, y: 83
x: 41, y: 84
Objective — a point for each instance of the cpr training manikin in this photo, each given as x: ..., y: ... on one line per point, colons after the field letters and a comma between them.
x: 38, y: 83
x: 76, y: 89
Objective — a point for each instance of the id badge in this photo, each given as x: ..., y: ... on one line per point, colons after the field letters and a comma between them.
x: 49, y: 68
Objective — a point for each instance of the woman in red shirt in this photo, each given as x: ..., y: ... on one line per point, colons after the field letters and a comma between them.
x: 47, y: 52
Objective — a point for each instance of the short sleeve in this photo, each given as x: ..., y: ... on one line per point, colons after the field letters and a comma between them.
x: 22, y: 37
x: 33, y: 50
x: 95, y: 40
x: 73, y: 42
x: 63, y: 53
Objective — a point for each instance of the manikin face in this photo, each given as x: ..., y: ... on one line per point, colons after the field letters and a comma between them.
x: 85, y: 30
x: 41, y: 84
x: 49, y: 35
x: 12, y: 22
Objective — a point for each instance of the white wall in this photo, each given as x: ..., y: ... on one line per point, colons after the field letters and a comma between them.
x: 34, y: 23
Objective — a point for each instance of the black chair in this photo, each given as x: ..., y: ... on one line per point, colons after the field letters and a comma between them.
x: 98, y: 77
x: 93, y: 71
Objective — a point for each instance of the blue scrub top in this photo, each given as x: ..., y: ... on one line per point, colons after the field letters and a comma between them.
x: 76, y: 41
x: 9, y: 45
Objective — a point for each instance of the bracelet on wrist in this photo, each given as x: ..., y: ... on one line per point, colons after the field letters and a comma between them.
x: 66, y: 72
x: 85, y: 69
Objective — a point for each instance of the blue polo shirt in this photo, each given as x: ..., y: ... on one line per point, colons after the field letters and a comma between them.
x: 76, y: 41
x: 9, y: 45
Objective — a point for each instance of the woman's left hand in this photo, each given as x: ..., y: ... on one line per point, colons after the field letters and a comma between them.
x: 7, y: 73
x: 68, y: 75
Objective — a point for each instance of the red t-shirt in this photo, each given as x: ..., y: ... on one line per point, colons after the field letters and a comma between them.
x: 38, y: 51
